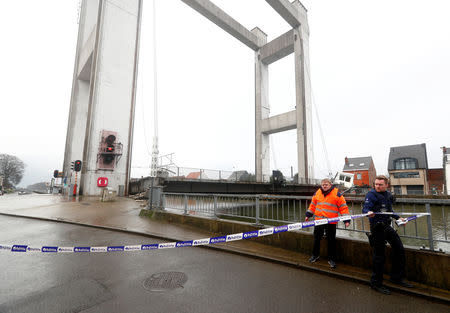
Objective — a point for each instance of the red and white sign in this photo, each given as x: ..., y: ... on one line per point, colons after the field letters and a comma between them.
x: 102, y: 182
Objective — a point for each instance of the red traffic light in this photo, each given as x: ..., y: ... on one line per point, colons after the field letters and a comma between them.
x: 77, y: 166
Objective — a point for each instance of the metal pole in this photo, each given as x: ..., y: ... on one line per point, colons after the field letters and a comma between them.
x: 163, y: 197
x: 430, y: 230
x: 445, y: 223
x: 75, y: 186
x: 151, y: 194
x: 215, y: 206
x: 185, y: 204
x: 257, y: 210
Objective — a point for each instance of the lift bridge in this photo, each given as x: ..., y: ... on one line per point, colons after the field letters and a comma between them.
x: 102, y: 107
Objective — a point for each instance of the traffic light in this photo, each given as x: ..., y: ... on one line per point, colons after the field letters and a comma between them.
x: 110, y: 142
x: 77, y: 166
x: 72, y: 165
x: 109, y: 151
x: 55, y: 173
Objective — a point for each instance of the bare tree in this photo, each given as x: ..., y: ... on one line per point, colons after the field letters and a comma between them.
x: 11, y: 169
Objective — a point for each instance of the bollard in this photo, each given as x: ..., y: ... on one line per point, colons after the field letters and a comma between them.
x: 430, y: 230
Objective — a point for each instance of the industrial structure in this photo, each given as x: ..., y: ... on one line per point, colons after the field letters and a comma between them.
x: 101, y: 118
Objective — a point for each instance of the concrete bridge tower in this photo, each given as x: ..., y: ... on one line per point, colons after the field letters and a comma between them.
x: 294, y: 41
x: 100, y: 126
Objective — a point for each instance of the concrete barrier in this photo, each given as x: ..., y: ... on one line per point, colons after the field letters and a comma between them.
x: 430, y: 268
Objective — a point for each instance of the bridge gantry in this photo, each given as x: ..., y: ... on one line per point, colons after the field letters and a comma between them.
x: 101, y: 117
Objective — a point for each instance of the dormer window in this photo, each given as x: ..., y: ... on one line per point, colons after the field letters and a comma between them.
x: 351, y: 164
x: 361, y: 164
x: 406, y: 164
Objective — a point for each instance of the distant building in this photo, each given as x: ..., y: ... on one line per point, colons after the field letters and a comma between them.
x: 197, y: 175
x: 408, y: 166
x: 446, y: 168
x: 363, y: 168
x: 436, y: 181
x: 238, y: 176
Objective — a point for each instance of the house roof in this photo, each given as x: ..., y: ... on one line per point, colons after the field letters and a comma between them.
x: 358, y: 164
x: 236, y: 175
x: 418, y: 152
x: 196, y: 175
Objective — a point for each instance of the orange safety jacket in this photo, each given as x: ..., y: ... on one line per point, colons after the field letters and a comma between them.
x: 328, y: 206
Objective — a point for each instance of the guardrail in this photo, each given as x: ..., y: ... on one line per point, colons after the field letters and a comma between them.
x: 430, y: 231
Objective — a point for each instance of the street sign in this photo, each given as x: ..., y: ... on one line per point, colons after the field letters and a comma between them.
x: 102, y: 182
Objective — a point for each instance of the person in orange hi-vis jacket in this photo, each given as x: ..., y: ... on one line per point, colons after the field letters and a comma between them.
x: 327, y: 202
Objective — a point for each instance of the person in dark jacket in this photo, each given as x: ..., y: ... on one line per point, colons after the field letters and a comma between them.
x: 377, y: 202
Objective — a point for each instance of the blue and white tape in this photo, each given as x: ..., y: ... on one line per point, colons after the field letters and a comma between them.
x: 189, y: 243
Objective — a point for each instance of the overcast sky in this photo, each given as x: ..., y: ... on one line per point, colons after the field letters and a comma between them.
x: 380, y: 73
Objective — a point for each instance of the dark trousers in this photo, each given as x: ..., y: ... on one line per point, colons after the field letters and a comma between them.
x: 330, y: 230
x: 382, y: 233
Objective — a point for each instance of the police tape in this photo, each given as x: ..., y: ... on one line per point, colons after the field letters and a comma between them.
x: 395, y: 213
x: 189, y: 243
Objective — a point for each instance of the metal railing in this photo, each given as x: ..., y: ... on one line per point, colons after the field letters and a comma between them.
x: 187, y: 173
x: 430, y: 231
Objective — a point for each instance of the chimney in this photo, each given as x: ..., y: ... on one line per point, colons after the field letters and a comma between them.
x: 346, y: 161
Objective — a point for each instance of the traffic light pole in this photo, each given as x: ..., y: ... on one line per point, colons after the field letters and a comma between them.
x: 75, y: 185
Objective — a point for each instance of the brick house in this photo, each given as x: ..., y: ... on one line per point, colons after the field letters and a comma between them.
x: 408, y: 167
x: 197, y: 175
x: 436, y: 181
x: 363, y: 168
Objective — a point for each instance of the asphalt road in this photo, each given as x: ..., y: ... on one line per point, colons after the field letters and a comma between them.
x: 214, y: 281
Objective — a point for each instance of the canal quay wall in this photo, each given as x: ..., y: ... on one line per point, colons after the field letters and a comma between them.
x: 422, y: 266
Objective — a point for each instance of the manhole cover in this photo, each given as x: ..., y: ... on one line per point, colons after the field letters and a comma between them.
x: 165, y: 281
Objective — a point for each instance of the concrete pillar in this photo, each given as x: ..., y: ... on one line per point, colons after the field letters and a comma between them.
x: 262, y: 110
x: 103, y: 92
x: 303, y: 98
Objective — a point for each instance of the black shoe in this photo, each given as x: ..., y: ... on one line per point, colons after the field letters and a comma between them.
x: 332, y: 263
x: 381, y: 289
x: 402, y: 283
x: 313, y: 259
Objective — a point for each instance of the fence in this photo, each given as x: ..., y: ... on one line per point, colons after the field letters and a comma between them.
x: 430, y: 231
x: 187, y: 173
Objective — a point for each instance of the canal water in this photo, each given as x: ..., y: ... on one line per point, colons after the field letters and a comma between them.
x: 279, y: 211
x: 440, y: 221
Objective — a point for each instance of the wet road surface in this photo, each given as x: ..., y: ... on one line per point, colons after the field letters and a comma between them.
x: 215, y: 281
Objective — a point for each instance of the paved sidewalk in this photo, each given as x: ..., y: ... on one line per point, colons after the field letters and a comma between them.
x: 123, y: 215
